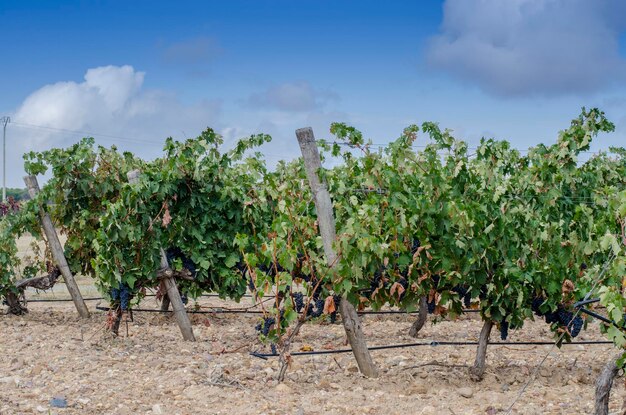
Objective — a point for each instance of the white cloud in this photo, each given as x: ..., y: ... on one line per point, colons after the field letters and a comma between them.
x: 532, y: 47
x: 112, y: 104
x: 291, y: 96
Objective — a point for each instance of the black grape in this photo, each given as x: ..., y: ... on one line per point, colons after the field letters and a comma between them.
x: 415, y: 245
x: 405, y: 284
x: 551, y: 317
x: 565, y: 317
x: 431, y: 307
x: 174, y: 253
x: 504, y: 329
x: 577, y: 325
x: 435, y: 279
x: 298, y: 299
x: 465, y: 294
x: 251, y: 285
x: 318, y: 310
x: 121, y: 295
x: 483, y: 292
x: 467, y: 299
x: 265, y: 327
x: 536, y: 304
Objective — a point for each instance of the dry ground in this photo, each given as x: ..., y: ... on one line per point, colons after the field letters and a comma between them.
x: 52, y: 353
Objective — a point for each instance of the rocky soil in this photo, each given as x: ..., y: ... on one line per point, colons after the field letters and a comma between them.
x: 52, y: 358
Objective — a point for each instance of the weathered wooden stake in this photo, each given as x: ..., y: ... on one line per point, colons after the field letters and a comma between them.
x: 326, y: 221
x: 165, y: 303
x: 58, y: 254
x: 170, y: 285
x: 422, y: 316
x: 604, y: 383
x: 478, y: 370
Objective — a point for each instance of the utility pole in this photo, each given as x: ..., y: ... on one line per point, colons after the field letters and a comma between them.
x: 5, y: 121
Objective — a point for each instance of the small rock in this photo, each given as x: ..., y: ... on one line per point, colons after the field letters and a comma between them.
x: 156, y: 409
x: 466, y: 392
x: 420, y: 389
x: 41, y: 409
x: 58, y: 402
x: 282, y: 388
x: 323, y: 384
x: 37, y: 370
x: 429, y: 410
x: 545, y: 372
x: 83, y: 401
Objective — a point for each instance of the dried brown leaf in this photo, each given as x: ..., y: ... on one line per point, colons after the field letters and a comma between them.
x: 396, y: 287
x: 329, y: 305
x: 567, y: 287
x: 167, y: 218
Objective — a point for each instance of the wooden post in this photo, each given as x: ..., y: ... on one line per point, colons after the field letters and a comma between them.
x: 170, y: 285
x: 478, y: 370
x: 421, y: 318
x: 165, y: 303
x: 326, y: 221
x: 15, y: 304
x: 604, y: 383
x: 58, y: 254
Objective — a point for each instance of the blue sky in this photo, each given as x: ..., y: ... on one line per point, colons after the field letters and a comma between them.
x: 135, y: 72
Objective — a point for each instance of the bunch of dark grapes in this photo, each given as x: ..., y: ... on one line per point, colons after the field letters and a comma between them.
x: 171, y: 254
x: 415, y: 245
x: 435, y: 279
x: 483, y: 292
x: 573, y: 324
x: 565, y: 317
x: 536, y: 304
x: 251, y: 285
x: 551, y: 317
x: 121, y: 295
x: 318, y: 310
x: 431, y: 306
x: 174, y: 253
x: 271, y: 269
x: 11, y: 206
x: 317, y: 289
x: 577, y: 325
x: 375, y: 283
x: 465, y: 294
x: 190, y: 266
x: 504, y: 329
x: 264, y: 328
x: 298, y: 299
x: 405, y: 284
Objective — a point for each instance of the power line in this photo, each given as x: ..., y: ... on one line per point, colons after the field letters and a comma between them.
x: 86, y: 133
